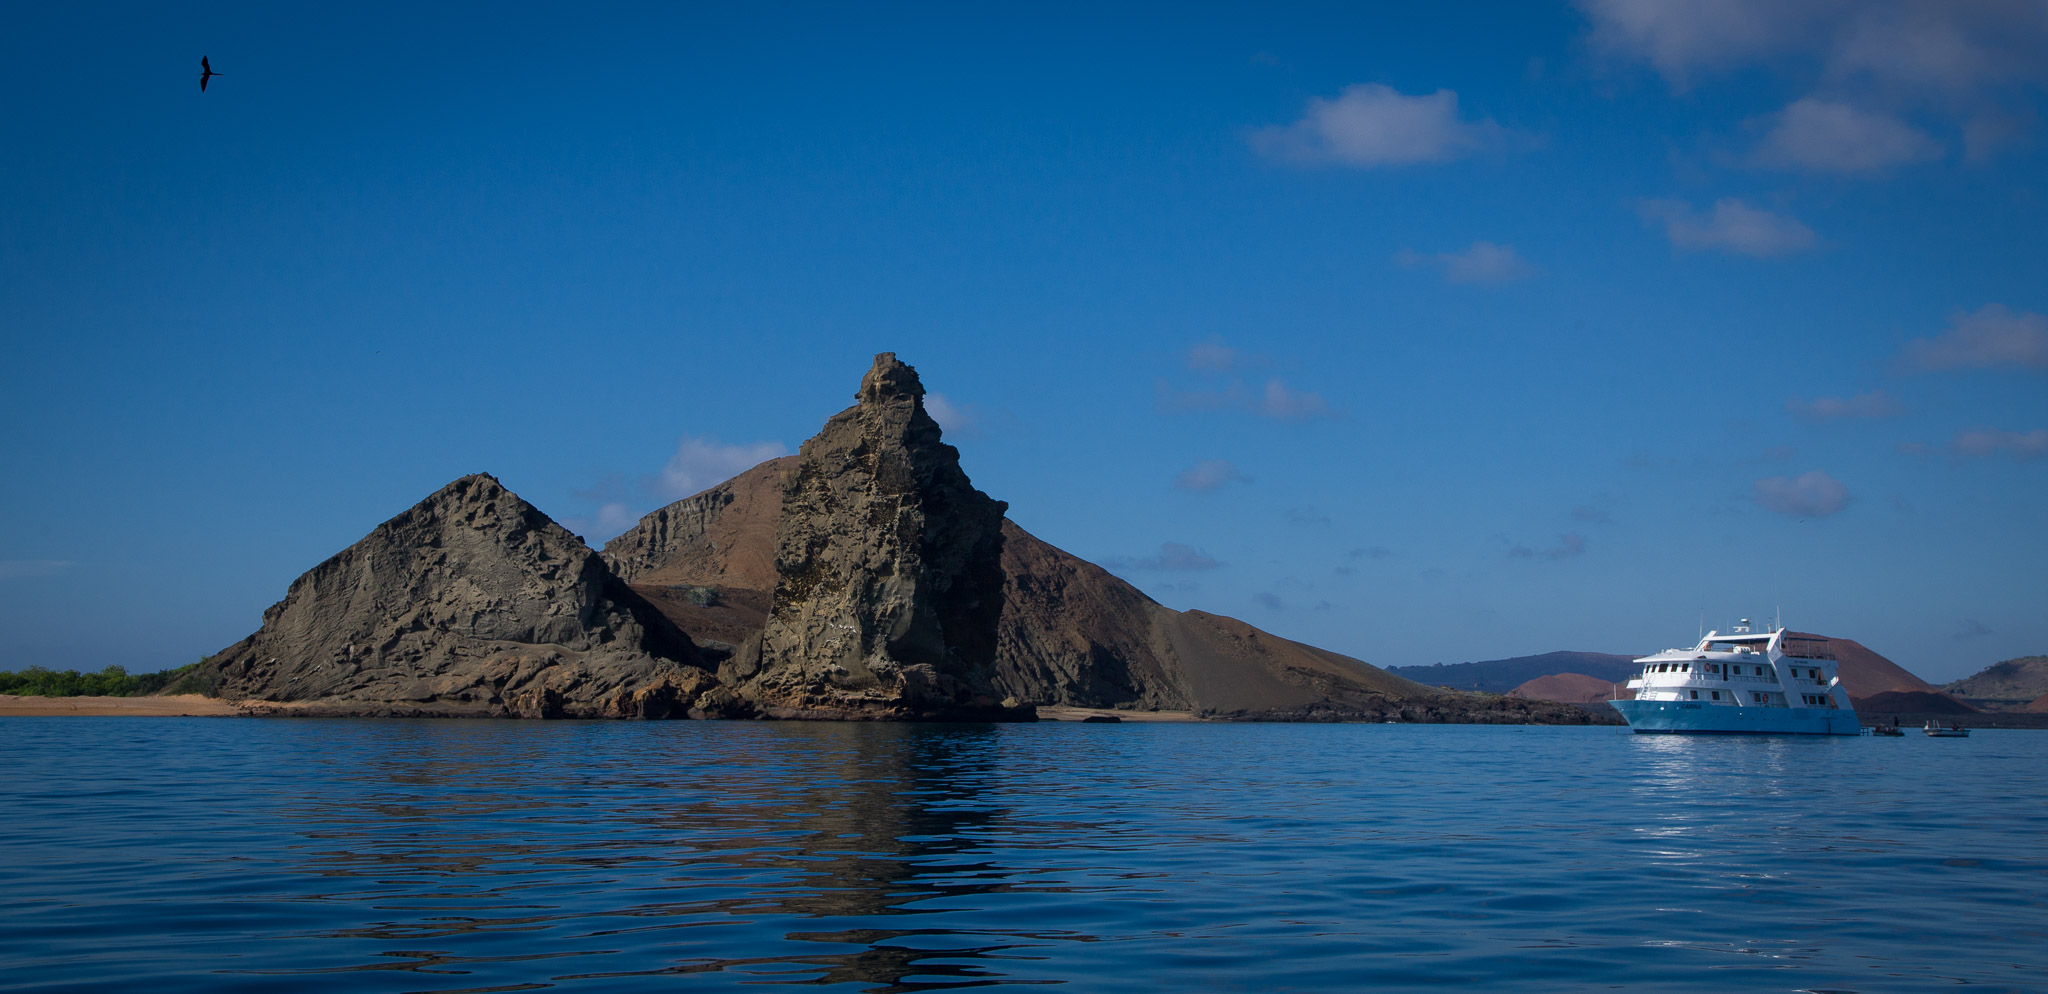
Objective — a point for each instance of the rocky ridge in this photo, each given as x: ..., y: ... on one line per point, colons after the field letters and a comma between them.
x: 472, y: 602
x: 1067, y: 632
x: 888, y: 575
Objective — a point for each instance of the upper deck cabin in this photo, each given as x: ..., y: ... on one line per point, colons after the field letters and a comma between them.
x: 1746, y: 668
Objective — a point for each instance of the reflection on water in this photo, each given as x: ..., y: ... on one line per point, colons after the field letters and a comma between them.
x: 471, y: 856
x: 697, y: 842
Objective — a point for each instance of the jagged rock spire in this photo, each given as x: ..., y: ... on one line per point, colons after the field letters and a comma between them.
x: 889, y: 576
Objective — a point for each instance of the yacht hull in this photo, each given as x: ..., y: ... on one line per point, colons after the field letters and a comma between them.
x: 1690, y: 717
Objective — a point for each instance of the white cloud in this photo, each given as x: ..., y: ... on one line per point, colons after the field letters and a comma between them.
x: 1875, y: 404
x: 1680, y: 39
x: 1948, y: 44
x: 1981, y: 442
x: 1276, y: 400
x: 1813, y: 494
x: 1994, y: 336
x: 21, y: 569
x: 614, y: 518
x: 1173, y: 557
x: 1280, y: 402
x: 1269, y: 601
x: 1732, y: 226
x: 1208, y: 476
x: 1965, y: 60
x: 701, y: 463
x: 1212, y: 356
x: 1826, y: 136
x: 1373, y: 125
x: 1889, y: 44
x: 960, y: 419
x: 1484, y: 262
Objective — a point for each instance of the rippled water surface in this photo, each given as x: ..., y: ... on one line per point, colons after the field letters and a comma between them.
x: 225, y: 854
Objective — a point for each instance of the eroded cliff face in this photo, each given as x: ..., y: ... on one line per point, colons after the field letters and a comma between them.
x: 472, y: 602
x: 888, y: 567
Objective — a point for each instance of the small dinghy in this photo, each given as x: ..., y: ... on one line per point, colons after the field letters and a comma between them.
x: 1950, y: 732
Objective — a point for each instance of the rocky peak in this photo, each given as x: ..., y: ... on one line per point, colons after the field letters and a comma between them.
x: 890, y: 382
x: 888, y: 570
x: 470, y: 602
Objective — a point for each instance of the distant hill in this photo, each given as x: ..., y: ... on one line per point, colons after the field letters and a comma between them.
x: 1864, y: 673
x: 1498, y: 676
x: 1571, y: 688
x: 2021, y: 679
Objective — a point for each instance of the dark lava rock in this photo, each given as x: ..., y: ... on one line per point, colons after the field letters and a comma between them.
x: 471, y: 603
x: 889, y: 578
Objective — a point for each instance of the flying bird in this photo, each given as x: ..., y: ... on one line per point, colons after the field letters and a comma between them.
x: 205, y: 73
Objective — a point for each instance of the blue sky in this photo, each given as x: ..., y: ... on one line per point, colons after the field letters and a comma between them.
x: 1424, y: 335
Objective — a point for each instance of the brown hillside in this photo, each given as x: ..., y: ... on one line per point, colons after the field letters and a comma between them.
x: 2014, y: 679
x: 1865, y: 673
x: 1572, y: 688
x: 1070, y: 633
x: 724, y: 536
x: 2040, y: 703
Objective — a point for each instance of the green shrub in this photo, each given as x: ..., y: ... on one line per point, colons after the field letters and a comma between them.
x: 114, y: 681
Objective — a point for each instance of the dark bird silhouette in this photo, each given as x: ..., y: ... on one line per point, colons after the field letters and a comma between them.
x: 205, y: 73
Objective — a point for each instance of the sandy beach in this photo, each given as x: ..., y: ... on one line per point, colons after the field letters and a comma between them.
x: 174, y: 706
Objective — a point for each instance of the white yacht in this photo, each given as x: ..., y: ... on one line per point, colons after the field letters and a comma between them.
x: 1759, y: 683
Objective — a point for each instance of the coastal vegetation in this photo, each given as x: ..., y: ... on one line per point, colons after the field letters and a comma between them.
x: 114, y: 681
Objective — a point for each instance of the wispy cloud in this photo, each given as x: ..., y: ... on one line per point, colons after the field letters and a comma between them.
x: 1992, y: 337
x: 954, y: 419
x: 1283, y: 403
x: 1875, y: 404
x: 1971, y: 628
x: 1269, y: 601
x: 1370, y: 125
x: 1276, y: 400
x: 1173, y: 557
x: 22, y: 569
x: 1369, y: 552
x: 701, y: 463
x: 1215, y: 356
x: 1570, y: 545
x: 1483, y: 262
x: 1731, y: 226
x: 1981, y: 442
x: 1825, y: 136
x: 1209, y: 476
x: 1813, y: 494
x: 1896, y: 46
x: 1591, y: 515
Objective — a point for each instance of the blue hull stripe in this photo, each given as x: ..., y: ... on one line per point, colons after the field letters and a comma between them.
x: 1689, y: 717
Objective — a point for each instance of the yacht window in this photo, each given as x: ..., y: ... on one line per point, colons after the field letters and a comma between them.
x: 1717, y: 695
x: 1695, y: 695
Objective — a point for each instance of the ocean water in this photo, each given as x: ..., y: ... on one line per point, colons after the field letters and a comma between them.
x: 317, y: 855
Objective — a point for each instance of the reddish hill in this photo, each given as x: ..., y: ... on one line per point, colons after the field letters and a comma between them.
x: 1864, y: 673
x: 1070, y: 632
x: 1571, y: 688
x: 2040, y: 703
